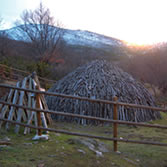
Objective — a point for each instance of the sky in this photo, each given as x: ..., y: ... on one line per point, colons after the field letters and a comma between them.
x: 135, y: 21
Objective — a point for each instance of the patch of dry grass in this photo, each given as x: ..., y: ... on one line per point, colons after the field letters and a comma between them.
x: 58, y: 152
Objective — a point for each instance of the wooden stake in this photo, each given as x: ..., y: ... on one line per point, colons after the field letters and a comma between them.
x: 43, y: 116
x: 45, y: 106
x: 115, y: 125
x: 38, y: 113
x: 29, y: 98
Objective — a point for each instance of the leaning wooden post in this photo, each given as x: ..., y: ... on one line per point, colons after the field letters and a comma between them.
x: 115, y: 125
x: 39, y: 122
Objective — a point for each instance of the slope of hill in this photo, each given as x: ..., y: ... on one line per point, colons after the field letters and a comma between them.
x: 76, y: 48
x: 78, y: 38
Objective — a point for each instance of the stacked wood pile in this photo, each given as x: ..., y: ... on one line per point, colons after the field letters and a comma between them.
x: 101, y: 80
x: 26, y: 99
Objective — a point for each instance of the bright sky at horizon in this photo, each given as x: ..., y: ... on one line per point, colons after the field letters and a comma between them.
x: 135, y: 21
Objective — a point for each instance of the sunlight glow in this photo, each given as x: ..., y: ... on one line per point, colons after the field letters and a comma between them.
x: 135, y: 21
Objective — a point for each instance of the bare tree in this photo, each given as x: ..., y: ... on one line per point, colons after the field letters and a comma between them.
x: 149, y: 68
x: 40, y: 28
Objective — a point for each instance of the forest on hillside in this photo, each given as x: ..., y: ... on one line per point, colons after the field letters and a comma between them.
x: 43, y: 50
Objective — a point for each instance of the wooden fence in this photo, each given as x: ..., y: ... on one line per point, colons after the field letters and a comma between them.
x: 114, y: 121
x: 13, y: 74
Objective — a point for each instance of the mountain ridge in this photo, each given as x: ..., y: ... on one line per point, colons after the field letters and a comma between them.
x: 76, y: 37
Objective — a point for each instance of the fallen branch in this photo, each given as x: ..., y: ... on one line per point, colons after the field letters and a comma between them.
x: 5, y: 143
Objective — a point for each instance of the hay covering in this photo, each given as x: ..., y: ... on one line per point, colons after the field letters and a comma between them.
x: 101, y: 80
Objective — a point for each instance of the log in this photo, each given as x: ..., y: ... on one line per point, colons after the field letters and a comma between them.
x: 12, y: 109
x: 5, y: 143
x: 27, y: 130
x: 20, y: 111
x: 5, y: 108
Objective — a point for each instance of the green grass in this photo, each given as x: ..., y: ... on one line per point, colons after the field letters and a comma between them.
x: 58, y: 152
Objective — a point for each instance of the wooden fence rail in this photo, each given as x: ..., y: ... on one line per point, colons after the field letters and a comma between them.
x: 85, y: 116
x: 115, y: 121
x: 87, y: 99
x: 24, y: 72
x: 85, y: 135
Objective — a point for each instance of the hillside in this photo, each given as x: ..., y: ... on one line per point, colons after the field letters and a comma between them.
x: 80, y: 43
x: 75, y: 48
x: 77, y: 38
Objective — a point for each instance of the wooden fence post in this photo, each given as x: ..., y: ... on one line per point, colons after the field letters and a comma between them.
x: 39, y: 122
x: 115, y: 125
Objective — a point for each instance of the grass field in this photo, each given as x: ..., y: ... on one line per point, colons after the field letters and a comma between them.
x: 59, y: 151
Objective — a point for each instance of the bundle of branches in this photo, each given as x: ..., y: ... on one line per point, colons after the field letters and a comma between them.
x: 24, y: 98
x: 101, y: 80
